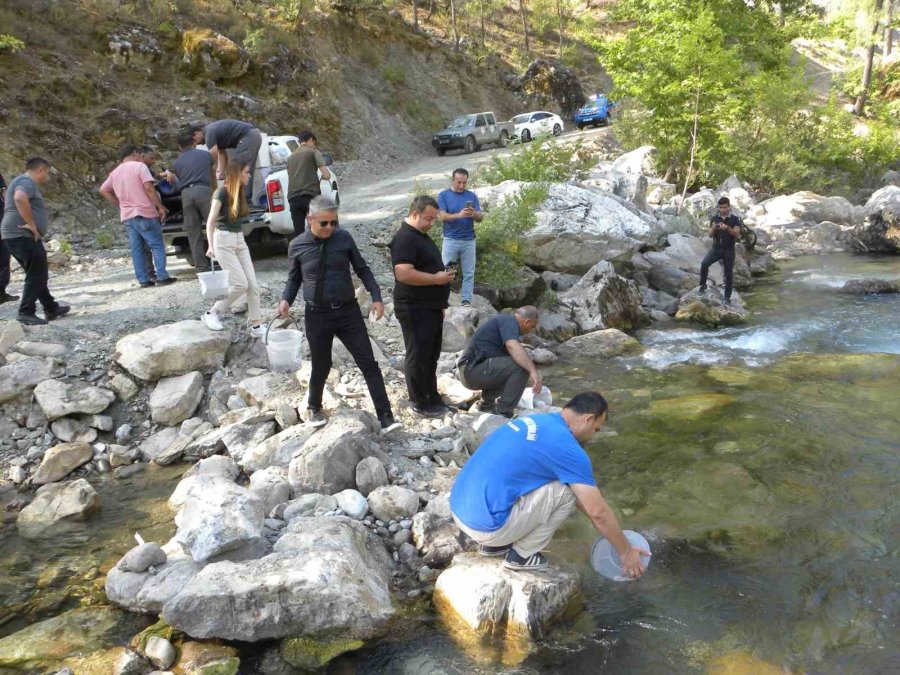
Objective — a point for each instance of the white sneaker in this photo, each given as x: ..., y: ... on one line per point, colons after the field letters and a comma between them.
x: 258, y: 331
x: 211, y: 319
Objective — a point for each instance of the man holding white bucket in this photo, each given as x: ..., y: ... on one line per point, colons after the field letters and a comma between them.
x: 525, y: 479
x: 321, y: 259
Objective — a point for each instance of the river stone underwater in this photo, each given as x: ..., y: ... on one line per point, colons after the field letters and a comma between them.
x: 761, y: 462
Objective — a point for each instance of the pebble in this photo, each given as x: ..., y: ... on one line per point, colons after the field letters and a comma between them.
x: 379, y: 523
x: 122, y: 433
x: 18, y: 461
x: 425, y: 460
x: 426, y: 574
x: 129, y: 470
x: 394, y: 528
x: 406, y: 524
x: 34, y: 452
x: 103, y: 466
x: 235, y: 402
x: 414, y: 593
x: 382, y: 532
x: 273, y: 523
x: 402, y: 537
x: 17, y: 475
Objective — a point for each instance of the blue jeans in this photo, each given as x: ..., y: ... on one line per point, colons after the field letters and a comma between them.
x: 462, y: 250
x: 147, y: 230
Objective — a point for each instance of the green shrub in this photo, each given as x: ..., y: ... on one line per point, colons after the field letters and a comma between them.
x: 10, y: 43
x: 393, y: 74
x: 539, y: 161
x: 105, y: 239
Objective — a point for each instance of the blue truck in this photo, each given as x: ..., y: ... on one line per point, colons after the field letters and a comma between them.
x: 596, y: 112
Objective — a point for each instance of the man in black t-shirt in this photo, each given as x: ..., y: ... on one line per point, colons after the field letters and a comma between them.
x: 496, y: 363
x: 4, y: 253
x: 421, y: 293
x: 724, y: 229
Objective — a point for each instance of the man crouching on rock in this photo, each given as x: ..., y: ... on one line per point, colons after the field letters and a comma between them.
x: 524, y: 480
x: 321, y: 259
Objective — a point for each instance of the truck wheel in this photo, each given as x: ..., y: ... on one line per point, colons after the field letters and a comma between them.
x: 470, y: 144
x: 440, y: 152
x: 504, y: 139
x: 526, y: 135
x: 580, y: 126
x: 557, y: 130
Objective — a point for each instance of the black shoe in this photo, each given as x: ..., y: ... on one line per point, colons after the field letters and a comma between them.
x: 430, y: 411
x: 7, y: 297
x: 485, y: 407
x: 31, y: 320
x: 148, y: 284
x: 465, y: 303
x: 493, y: 551
x: 315, y: 418
x: 702, y: 291
x: 166, y: 281
x: 534, y: 562
x: 447, y: 403
x: 507, y: 414
x: 61, y: 310
x: 389, y: 424
x: 727, y: 302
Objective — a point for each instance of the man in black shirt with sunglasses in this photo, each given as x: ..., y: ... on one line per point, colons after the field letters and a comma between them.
x: 321, y: 258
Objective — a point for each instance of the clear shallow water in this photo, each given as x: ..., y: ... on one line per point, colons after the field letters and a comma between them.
x: 763, y: 465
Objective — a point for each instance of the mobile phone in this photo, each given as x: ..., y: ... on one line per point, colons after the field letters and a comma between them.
x: 470, y: 205
x: 451, y: 267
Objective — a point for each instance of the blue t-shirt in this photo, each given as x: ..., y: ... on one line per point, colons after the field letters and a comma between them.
x: 514, y: 460
x: 454, y: 202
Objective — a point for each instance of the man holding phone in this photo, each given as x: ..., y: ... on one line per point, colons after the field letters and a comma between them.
x: 459, y: 210
x: 724, y: 229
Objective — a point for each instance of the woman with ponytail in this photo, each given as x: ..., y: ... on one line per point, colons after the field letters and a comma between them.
x: 227, y: 245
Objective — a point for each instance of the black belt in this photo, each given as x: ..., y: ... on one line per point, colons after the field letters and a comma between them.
x: 187, y: 187
x: 332, y: 305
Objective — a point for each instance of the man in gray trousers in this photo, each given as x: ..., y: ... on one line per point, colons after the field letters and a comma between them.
x: 195, y: 175
x: 496, y: 363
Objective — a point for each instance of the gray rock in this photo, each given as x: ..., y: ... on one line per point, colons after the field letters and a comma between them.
x: 278, y: 450
x: 47, y: 349
x: 160, y: 652
x: 58, y: 399
x: 132, y: 663
x: 190, y: 425
x: 235, y: 402
x: 325, y: 577
x: 176, y: 398
x: 459, y: 326
x: 485, y: 596
x: 157, y: 443
x: 146, y: 593
x: 810, y: 207
x: 484, y: 425
x: 271, y: 486
x: 217, y: 465
x: 370, y: 474
x: 124, y: 387
x: 17, y: 475
x: 437, y: 537
x: 352, y: 503
x: 172, y: 349
x: 142, y: 557
x: 262, y: 390
x: 71, y: 501
x: 10, y: 333
x: 401, y: 537
x: 558, y: 282
x: 710, y: 310
x: 543, y: 357
x: 285, y: 414
x: 603, y: 299
x: 101, y: 422
x: 239, y: 438
x: 184, y: 442
x: 71, y: 430
x: 556, y: 326
x: 327, y: 462
x: 123, y: 432
x: 393, y: 502
x: 870, y: 287
x: 61, y: 460
x: 20, y: 377
x: 600, y: 343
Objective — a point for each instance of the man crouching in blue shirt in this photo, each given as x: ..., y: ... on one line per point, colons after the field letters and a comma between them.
x: 524, y: 480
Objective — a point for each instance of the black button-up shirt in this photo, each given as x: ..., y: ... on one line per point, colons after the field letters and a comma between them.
x: 305, y: 254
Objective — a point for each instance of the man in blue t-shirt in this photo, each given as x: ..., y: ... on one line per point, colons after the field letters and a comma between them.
x: 459, y: 210
x: 524, y: 480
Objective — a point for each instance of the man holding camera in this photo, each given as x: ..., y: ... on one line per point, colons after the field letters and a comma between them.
x: 459, y: 211
x: 724, y: 229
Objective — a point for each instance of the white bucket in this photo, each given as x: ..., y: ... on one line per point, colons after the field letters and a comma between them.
x: 530, y: 400
x: 284, y: 348
x: 213, y: 284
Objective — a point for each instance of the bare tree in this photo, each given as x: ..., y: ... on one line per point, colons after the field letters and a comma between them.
x: 415, y: 4
x: 870, y: 58
x: 523, y: 12
x: 559, y: 14
x: 453, y: 23
x: 889, y: 30
x: 690, y: 171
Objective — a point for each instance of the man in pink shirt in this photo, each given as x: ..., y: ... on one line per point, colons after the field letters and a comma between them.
x: 130, y: 187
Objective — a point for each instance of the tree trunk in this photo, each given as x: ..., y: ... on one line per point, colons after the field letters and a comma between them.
x: 430, y: 10
x: 559, y: 13
x: 415, y: 16
x: 453, y: 22
x: 889, y: 31
x: 860, y: 106
x: 523, y: 11
x: 687, y: 179
x: 482, y: 23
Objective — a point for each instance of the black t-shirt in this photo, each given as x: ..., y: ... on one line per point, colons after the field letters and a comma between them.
x: 490, y: 339
x: 723, y: 240
x: 411, y: 247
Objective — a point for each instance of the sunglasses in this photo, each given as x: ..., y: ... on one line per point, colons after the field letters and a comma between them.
x: 327, y: 223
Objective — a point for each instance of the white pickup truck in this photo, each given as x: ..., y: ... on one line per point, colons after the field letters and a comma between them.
x: 270, y: 218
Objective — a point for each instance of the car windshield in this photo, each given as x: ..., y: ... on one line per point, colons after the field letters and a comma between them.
x: 591, y: 105
x: 461, y: 122
x: 293, y: 145
x: 521, y: 119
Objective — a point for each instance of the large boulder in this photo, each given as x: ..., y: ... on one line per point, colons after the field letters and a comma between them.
x: 710, y: 309
x: 61, y: 460
x: 370, y: 474
x: 176, y: 398
x: 810, y: 207
x: 212, y: 56
x: 240, y: 438
x: 600, y: 344
x: 277, y: 450
x: 526, y: 289
x: 10, y: 333
x: 603, y: 299
x: 435, y: 533
x: 556, y: 326
x: 578, y: 226
x: 641, y: 161
x: 58, y: 399
x: 548, y: 82
x: 459, y: 326
x: 262, y: 390
x: 787, y: 240
x: 218, y: 516
x: 488, y: 598
x: 881, y: 229
x: 327, y: 461
x: 870, y: 287
x: 326, y: 576
x: 172, y: 349
x: 392, y: 502
x: 685, y: 252
x: 74, y: 500
x: 271, y: 486
x: 146, y: 592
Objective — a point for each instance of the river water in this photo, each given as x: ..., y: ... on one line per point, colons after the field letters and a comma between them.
x: 761, y: 462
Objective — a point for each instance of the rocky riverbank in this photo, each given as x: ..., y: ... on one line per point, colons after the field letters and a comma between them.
x: 313, y: 541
